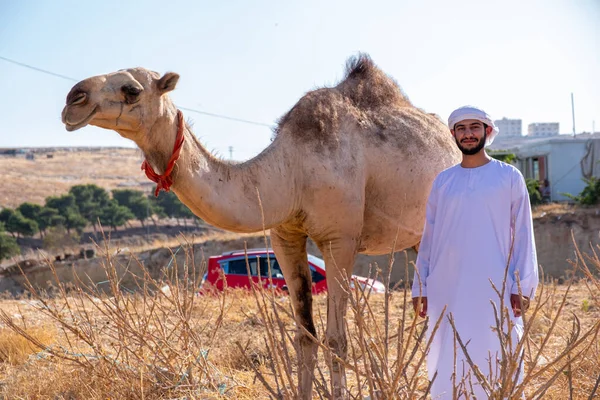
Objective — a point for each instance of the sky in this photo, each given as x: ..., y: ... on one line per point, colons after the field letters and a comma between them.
x: 254, y: 60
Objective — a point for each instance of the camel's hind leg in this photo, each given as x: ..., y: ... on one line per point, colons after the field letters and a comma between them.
x: 290, y: 249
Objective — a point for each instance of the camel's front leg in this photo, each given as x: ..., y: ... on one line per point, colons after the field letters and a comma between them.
x: 290, y: 249
x: 339, y: 255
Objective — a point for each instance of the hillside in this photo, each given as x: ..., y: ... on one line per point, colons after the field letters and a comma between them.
x: 53, y: 171
x: 34, y: 180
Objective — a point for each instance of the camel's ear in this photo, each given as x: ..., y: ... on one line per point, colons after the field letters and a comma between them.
x: 167, y: 82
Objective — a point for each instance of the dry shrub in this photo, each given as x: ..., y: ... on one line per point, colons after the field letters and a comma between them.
x: 164, y: 341
x: 57, y: 237
x: 387, y: 347
x: 132, y: 345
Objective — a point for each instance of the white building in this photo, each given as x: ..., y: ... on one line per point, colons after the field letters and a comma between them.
x: 543, y: 129
x: 509, y: 127
x: 563, y: 160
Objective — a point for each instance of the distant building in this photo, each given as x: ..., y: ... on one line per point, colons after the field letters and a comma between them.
x: 540, y: 129
x: 564, y: 161
x: 509, y: 127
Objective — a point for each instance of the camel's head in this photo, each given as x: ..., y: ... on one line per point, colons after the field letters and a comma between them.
x: 127, y: 101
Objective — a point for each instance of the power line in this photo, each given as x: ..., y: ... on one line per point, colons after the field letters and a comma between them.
x: 245, y: 121
x: 38, y: 69
x: 226, y: 117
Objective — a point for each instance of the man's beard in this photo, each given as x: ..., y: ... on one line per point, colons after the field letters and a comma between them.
x: 473, y: 150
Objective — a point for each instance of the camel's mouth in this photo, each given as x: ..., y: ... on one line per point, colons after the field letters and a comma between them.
x: 73, y: 126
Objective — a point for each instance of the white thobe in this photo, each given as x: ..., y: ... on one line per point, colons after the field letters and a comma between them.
x: 471, y: 216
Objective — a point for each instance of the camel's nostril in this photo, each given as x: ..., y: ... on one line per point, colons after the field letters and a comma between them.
x: 80, y: 98
x: 76, y: 97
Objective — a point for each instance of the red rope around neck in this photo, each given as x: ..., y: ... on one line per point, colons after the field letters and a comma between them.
x: 164, y: 181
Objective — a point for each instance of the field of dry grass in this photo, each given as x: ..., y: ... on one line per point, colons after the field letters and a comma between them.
x: 166, y: 342
x: 34, y: 180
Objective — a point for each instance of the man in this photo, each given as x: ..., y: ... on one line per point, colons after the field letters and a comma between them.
x: 476, y: 212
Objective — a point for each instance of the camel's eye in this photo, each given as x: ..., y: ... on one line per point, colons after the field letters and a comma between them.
x: 131, y: 93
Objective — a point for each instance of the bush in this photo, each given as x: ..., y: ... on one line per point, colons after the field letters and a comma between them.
x: 8, y: 246
x: 504, y: 157
x: 590, y: 195
x: 58, y: 237
x: 533, y: 187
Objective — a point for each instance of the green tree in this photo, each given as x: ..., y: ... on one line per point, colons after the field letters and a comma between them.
x: 30, y: 210
x: 49, y: 217
x: 5, y: 215
x: 136, y: 202
x: 186, y: 213
x: 22, y: 226
x: 115, y: 215
x: 168, y: 204
x: 17, y: 224
x: 8, y: 245
x: 33, y: 211
x: 172, y: 207
x: 67, y: 208
x: 90, y: 200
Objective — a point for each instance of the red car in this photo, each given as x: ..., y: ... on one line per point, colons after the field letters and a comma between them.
x: 233, y: 266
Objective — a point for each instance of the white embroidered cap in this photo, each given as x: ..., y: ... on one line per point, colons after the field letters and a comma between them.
x: 470, y: 112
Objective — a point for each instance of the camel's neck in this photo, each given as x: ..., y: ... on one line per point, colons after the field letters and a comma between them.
x: 223, y: 194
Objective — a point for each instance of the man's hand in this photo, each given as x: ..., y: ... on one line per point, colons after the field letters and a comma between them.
x: 421, y: 308
x: 516, y: 304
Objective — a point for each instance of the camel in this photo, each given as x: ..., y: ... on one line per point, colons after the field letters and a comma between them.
x: 349, y: 166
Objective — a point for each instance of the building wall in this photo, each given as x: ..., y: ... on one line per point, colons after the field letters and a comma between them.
x: 543, y: 129
x: 564, y: 169
x: 509, y: 127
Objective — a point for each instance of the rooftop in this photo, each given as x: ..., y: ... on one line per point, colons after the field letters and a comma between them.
x: 508, y: 143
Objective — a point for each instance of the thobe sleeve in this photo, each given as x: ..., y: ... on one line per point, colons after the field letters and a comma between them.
x: 419, y: 287
x: 524, y: 257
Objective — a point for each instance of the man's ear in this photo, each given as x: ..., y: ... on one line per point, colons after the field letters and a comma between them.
x: 167, y: 82
x: 452, y: 132
x: 488, y: 130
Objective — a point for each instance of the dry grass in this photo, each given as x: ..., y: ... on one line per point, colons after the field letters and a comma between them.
x: 34, y: 180
x: 553, y: 208
x: 15, y: 349
x: 166, y: 342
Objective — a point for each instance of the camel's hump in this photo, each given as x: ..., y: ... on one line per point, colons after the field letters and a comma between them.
x: 365, y: 89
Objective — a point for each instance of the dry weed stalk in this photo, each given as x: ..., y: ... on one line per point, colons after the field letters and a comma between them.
x: 511, y: 379
x: 374, y: 370
x: 152, y: 342
x: 529, y: 368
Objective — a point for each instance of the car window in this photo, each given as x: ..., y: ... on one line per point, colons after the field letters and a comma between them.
x: 316, y: 276
x: 239, y: 266
x: 275, y: 268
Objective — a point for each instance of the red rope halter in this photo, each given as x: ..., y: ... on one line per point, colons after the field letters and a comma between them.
x: 164, y: 181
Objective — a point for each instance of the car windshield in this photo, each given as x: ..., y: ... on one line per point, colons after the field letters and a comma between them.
x: 317, y: 261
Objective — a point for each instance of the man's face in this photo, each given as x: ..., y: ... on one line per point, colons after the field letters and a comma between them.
x: 470, y: 136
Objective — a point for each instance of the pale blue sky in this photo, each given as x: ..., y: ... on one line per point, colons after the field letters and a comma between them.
x: 254, y: 60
